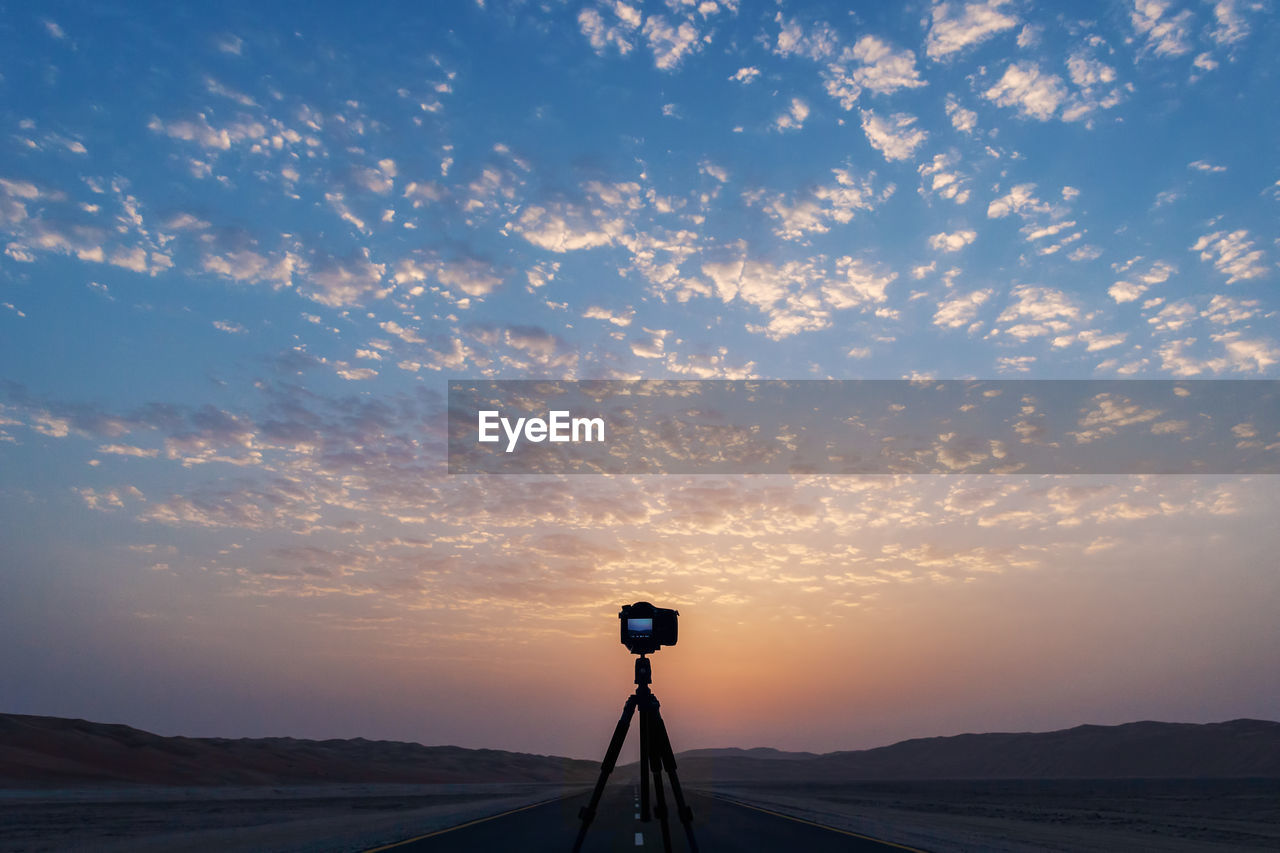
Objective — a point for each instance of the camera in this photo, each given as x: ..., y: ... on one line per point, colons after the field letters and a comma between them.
x: 646, y: 628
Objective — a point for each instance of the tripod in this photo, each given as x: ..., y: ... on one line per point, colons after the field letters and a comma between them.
x: 655, y: 756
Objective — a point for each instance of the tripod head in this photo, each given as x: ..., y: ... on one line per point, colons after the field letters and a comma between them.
x: 644, y: 674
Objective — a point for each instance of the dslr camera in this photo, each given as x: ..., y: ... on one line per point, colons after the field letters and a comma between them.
x: 646, y: 628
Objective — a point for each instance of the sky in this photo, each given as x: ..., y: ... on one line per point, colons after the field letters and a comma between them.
x: 246, y: 246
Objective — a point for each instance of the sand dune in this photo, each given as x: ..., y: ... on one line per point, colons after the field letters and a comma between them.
x: 1235, y: 749
x: 54, y: 752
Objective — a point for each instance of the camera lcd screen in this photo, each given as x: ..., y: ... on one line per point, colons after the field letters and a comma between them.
x: 640, y: 626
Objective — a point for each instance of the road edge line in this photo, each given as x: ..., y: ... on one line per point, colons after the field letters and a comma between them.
x: 810, y: 823
x: 436, y: 832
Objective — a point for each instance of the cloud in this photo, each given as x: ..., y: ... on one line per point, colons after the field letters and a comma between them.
x: 818, y: 43
x: 745, y: 75
x: 339, y: 282
x: 1205, y: 166
x: 706, y: 167
x: 784, y: 293
x: 1129, y: 291
x: 1239, y: 354
x: 629, y: 15
x: 1095, y: 340
x: 670, y: 44
x: 872, y: 65
x: 1033, y: 233
x: 379, y: 180
x: 1037, y: 311
x: 472, y: 277
x: 539, y: 274
x: 199, y: 131
x: 537, y: 348
x: 248, y: 265
x: 1248, y: 354
x: 409, y: 336
x: 882, y: 69
x: 799, y: 296
x: 962, y: 119
x: 128, y: 450
x: 952, y: 242
x: 944, y: 181
x: 653, y: 346
x: 601, y: 35
x: 12, y: 195
x: 896, y: 137
x: 1125, y: 291
x: 131, y: 259
x: 494, y: 189
x: 1085, y: 253
x: 1225, y: 311
x: 423, y: 193
x: 107, y: 500
x: 1034, y: 93
x: 858, y: 283
x: 1173, y: 317
x: 252, y: 508
x: 1204, y: 62
x: 954, y: 29
x: 86, y: 242
x: 617, y: 318
x: 1015, y: 363
x: 815, y: 211
x: 1232, y: 254
x: 1096, y: 82
x: 216, y: 88
x: 1020, y: 199
x: 354, y: 373
x: 184, y: 222
x: 1165, y: 36
x: 1231, y: 26
x: 1087, y: 72
x: 794, y: 117
x: 960, y: 310
x: 1109, y: 413
x: 338, y: 202
x: 563, y: 227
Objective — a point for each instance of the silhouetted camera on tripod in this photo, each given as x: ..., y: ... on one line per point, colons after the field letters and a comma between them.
x: 646, y: 628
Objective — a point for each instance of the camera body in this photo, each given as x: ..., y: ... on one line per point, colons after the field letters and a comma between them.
x: 646, y: 628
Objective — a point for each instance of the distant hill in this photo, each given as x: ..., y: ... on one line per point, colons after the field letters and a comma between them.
x: 764, y: 753
x: 50, y: 752
x: 46, y: 752
x: 1235, y: 749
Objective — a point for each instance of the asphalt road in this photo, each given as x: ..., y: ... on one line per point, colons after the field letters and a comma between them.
x: 720, y: 827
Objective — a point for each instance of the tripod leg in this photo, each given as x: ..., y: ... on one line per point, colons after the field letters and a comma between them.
x: 588, y: 812
x: 655, y: 763
x: 646, y: 756
x: 660, y: 745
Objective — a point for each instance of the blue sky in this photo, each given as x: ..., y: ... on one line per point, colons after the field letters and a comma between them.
x: 246, y: 245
